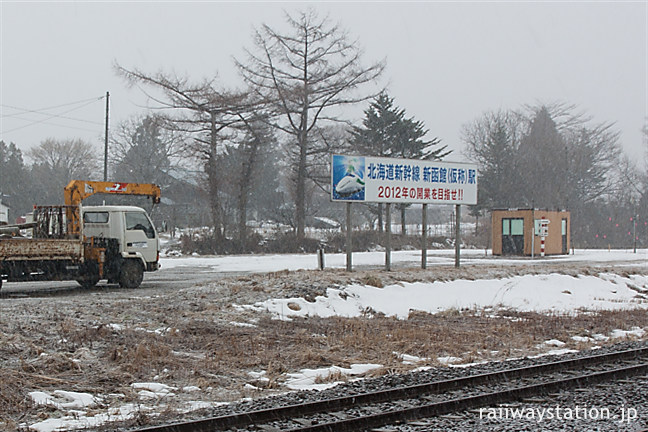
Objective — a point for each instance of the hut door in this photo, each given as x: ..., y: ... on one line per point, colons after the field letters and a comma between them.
x: 513, y: 236
x: 564, y: 236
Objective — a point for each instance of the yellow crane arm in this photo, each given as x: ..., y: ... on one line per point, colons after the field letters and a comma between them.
x: 78, y: 190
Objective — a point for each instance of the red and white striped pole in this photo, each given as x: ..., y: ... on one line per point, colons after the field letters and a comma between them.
x: 543, y: 233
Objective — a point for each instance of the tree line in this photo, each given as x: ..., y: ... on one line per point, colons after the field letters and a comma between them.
x: 554, y: 157
x: 262, y: 151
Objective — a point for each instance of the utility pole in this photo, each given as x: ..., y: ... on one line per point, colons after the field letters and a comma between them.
x: 105, y: 177
x: 349, y: 236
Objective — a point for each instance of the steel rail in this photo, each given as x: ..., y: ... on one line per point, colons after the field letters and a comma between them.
x: 469, y: 402
x: 404, y: 392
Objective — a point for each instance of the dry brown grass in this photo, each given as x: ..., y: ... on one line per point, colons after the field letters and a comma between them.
x: 12, y: 396
x: 77, y: 348
x: 372, y: 280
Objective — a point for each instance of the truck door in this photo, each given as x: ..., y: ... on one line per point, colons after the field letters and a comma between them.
x: 140, y: 235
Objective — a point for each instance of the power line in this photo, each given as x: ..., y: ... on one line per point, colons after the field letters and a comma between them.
x: 58, y: 116
x: 50, y: 116
x: 56, y: 106
x: 49, y: 123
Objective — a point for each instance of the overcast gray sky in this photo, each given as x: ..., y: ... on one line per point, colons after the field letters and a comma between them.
x: 447, y: 62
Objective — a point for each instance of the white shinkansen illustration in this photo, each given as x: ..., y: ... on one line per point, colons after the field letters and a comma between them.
x: 349, y: 185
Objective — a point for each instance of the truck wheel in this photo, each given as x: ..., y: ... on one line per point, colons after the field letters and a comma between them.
x: 131, y: 274
x: 88, y: 282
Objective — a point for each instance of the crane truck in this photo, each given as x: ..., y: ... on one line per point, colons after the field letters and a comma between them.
x: 85, y: 243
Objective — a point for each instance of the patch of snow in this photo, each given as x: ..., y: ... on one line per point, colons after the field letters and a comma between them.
x: 249, y: 386
x: 448, y: 360
x: 561, y: 351
x: 64, y: 399
x: 242, y: 324
x: 582, y: 339
x: 261, y: 375
x: 634, y: 332
x: 519, y: 292
x: 555, y: 352
x: 467, y: 365
x: 410, y: 359
x: 153, y: 390
x: 306, y: 379
x: 81, y: 421
x: 554, y: 342
x: 198, y: 405
x: 189, y: 389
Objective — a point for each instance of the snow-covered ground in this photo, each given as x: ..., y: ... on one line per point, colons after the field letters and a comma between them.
x: 553, y: 292
x: 269, y: 263
x: 529, y: 293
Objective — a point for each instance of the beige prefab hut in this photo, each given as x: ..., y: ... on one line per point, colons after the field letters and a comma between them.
x: 521, y: 231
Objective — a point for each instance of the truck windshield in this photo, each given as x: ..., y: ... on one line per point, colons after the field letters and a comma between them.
x: 139, y: 221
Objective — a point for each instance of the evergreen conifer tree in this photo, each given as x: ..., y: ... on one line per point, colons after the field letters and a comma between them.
x: 387, y: 132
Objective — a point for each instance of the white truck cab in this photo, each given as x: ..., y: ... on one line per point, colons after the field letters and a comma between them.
x: 133, y: 245
x: 131, y: 226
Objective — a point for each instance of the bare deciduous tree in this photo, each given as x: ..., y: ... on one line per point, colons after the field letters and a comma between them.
x: 145, y: 151
x: 302, y: 75
x: 56, y: 162
x: 72, y: 158
x: 248, y: 158
x: 205, y: 112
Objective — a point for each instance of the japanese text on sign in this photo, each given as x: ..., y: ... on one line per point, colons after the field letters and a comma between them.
x: 372, y: 179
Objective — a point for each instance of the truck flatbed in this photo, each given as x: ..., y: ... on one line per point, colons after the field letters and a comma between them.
x: 25, y: 249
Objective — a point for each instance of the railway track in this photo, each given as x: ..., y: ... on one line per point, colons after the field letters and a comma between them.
x: 391, y: 406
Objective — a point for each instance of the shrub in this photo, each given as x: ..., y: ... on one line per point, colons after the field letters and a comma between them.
x: 288, y: 243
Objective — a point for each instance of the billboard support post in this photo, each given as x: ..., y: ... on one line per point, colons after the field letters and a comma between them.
x: 458, y: 236
x: 388, y: 237
x: 424, y: 237
x: 634, y: 234
x: 349, y: 230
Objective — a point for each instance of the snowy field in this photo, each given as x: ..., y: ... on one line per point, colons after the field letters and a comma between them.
x: 542, y: 293
x: 271, y: 263
x: 530, y: 293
